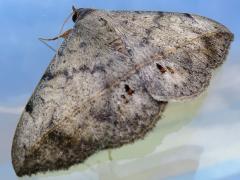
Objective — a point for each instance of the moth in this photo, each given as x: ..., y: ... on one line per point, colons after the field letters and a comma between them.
x: 110, y: 81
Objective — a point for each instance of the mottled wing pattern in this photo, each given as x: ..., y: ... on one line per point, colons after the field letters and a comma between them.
x: 175, y: 52
x: 106, y: 85
x: 90, y: 98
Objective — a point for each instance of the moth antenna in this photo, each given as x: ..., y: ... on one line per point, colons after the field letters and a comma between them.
x: 65, y: 21
x: 73, y: 8
x: 43, y: 41
x: 69, y: 16
x: 63, y: 35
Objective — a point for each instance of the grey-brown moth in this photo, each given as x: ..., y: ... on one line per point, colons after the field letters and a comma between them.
x: 110, y: 81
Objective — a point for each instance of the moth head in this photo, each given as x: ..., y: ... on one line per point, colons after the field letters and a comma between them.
x: 75, y: 14
x: 80, y: 13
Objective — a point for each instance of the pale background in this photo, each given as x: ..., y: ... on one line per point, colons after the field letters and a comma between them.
x: 194, y: 140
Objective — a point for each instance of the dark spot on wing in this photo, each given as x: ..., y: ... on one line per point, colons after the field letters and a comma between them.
x: 161, y: 68
x: 103, y: 114
x: 125, y: 22
x: 148, y: 31
x: 103, y: 21
x: 144, y: 41
x: 59, y: 138
x: 60, y: 52
x: 125, y: 100
x: 107, y: 85
x: 74, y: 70
x: 47, y: 76
x: 67, y: 75
x: 65, y: 72
x: 188, y: 15
x: 82, y: 44
x: 29, y: 107
x: 110, y: 62
x: 97, y: 54
x: 98, y: 68
x: 84, y: 68
x: 130, y: 52
x: 123, y: 96
x: 128, y: 89
x: 209, y: 44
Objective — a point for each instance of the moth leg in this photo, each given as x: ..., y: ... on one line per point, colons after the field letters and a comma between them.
x: 66, y: 34
x: 110, y: 155
x: 63, y: 35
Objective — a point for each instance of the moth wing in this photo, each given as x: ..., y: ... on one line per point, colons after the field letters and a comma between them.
x: 89, y: 98
x: 105, y: 85
x: 174, y: 53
